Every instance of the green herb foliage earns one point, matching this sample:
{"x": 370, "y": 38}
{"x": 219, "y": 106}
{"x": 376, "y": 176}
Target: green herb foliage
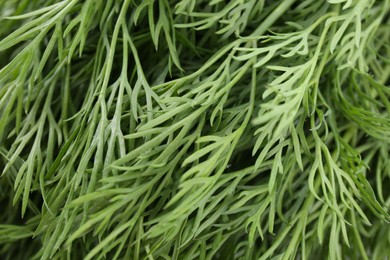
{"x": 194, "y": 129}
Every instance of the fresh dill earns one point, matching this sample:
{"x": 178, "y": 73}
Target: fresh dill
{"x": 193, "y": 129}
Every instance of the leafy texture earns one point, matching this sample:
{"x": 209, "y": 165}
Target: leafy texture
{"x": 191, "y": 129}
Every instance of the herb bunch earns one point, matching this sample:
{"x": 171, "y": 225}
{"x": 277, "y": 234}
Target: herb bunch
{"x": 191, "y": 129}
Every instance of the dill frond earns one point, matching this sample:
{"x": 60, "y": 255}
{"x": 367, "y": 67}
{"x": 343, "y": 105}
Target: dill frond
{"x": 191, "y": 129}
